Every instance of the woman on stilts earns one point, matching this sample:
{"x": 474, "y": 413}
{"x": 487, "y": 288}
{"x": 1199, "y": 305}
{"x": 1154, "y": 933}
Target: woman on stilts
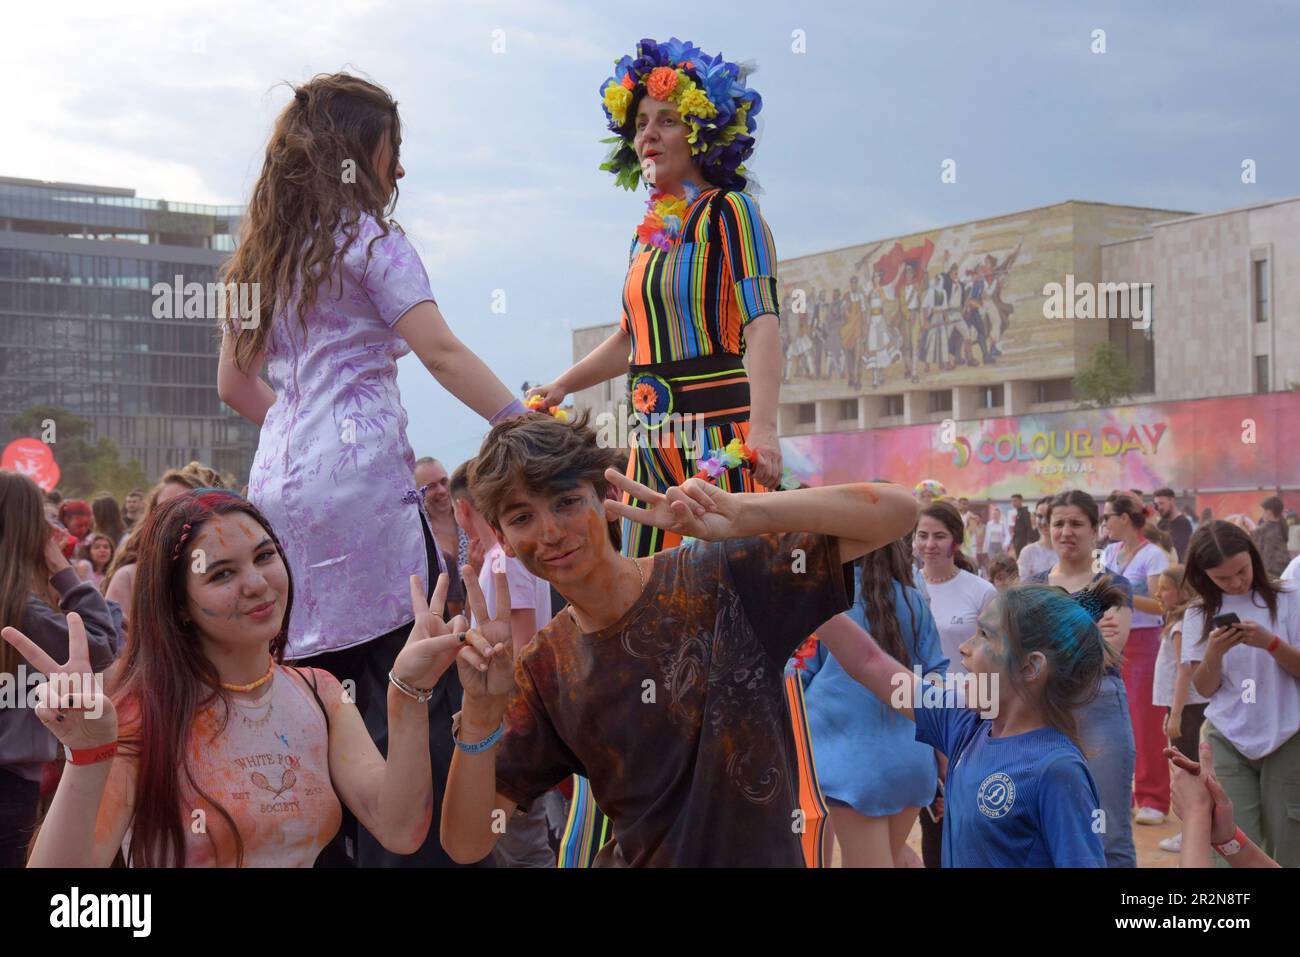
{"x": 699, "y": 338}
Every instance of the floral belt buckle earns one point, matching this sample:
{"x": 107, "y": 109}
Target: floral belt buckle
{"x": 652, "y": 400}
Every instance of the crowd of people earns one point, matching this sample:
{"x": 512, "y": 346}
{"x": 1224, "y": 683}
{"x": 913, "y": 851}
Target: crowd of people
{"x": 556, "y": 653}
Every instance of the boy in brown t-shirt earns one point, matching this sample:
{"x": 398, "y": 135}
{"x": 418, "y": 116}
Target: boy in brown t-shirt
{"x": 661, "y": 681}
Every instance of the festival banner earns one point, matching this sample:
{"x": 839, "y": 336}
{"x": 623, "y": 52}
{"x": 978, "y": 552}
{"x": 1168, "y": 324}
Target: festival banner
{"x": 1239, "y": 444}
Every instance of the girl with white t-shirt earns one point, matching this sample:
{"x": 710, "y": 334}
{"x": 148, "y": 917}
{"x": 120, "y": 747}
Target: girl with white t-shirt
{"x": 957, "y": 597}
{"x": 1133, "y": 557}
{"x": 1250, "y": 670}
{"x": 1185, "y": 709}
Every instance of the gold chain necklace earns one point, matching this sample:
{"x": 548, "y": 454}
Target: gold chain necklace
{"x": 639, "y": 574}
{"x": 258, "y": 723}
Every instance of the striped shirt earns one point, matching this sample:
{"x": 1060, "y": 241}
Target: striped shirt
{"x": 672, "y": 305}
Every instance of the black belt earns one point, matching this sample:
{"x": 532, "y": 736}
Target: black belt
{"x": 716, "y": 387}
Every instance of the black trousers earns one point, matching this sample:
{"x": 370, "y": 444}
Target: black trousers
{"x": 368, "y": 666}
{"x": 18, "y": 802}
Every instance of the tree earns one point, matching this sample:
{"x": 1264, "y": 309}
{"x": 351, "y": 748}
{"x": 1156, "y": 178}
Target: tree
{"x": 1106, "y": 378}
{"x": 85, "y": 466}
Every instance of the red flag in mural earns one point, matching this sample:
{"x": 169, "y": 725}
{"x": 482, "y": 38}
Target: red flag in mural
{"x": 891, "y": 264}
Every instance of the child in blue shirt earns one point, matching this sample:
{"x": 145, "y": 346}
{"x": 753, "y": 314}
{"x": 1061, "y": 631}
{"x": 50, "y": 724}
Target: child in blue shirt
{"x": 1019, "y": 793}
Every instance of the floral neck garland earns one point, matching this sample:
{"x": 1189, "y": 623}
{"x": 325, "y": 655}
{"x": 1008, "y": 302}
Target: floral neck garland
{"x": 665, "y": 215}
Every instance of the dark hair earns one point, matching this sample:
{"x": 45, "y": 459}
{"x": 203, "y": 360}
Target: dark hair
{"x": 543, "y": 454}
{"x": 108, "y": 518}
{"x": 1080, "y": 500}
{"x": 1045, "y": 500}
{"x": 880, "y": 569}
{"x": 165, "y": 680}
{"x": 1045, "y": 619}
{"x": 1003, "y": 565}
{"x": 1273, "y": 504}
{"x": 1207, "y": 514}
{"x": 1163, "y": 493}
{"x": 1213, "y": 544}
{"x": 946, "y": 513}
{"x": 459, "y": 484}
{"x": 1124, "y": 503}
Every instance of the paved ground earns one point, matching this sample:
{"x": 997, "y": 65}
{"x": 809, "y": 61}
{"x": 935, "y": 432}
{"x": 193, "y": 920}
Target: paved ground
{"x": 1145, "y": 837}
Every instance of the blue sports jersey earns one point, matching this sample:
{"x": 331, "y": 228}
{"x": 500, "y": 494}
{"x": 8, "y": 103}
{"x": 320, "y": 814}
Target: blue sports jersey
{"x": 1027, "y": 800}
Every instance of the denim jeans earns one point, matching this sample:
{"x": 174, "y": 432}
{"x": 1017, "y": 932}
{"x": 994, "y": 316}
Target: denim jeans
{"x": 1107, "y": 735}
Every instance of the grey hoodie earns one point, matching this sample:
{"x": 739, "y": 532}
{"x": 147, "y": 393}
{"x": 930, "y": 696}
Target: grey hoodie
{"x": 25, "y": 744}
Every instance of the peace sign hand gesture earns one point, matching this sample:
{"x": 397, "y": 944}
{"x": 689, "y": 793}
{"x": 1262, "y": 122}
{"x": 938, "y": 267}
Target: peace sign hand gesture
{"x": 72, "y": 703}
{"x": 432, "y": 644}
{"x": 486, "y": 663}
{"x": 696, "y": 508}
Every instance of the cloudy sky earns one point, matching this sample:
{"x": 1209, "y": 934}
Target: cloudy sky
{"x": 501, "y": 147}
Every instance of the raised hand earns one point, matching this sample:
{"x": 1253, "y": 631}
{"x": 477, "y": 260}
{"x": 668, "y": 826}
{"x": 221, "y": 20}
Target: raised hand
{"x": 486, "y": 661}
{"x": 1194, "y": 786}
{"x": 432, "y": 644}
{"x": 55, "y": 560}
{"x": 695, "y": 508}
{"x": 552, "y": 392}
{"x": 73, "y": 706}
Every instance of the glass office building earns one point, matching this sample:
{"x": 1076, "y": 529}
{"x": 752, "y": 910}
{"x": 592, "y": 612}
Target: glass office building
{"x": 77, "y": 327}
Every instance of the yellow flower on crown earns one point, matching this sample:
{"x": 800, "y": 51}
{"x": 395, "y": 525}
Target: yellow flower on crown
{"x": 617, "y": 99}
{"x": 693, "y": 101}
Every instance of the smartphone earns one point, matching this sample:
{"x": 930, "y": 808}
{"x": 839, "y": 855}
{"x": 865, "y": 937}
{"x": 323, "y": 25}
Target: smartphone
{"x": 1226, "y": 621}
{"x": 930, "y": 810}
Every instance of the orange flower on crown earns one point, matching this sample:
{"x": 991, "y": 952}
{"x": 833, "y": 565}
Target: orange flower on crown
{"x": 644, "y": 398}
{"x": 661, "y": 83}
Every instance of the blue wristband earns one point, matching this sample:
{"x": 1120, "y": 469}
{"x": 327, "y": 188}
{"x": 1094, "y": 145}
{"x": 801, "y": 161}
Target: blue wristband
{"x": 483, "y": 745}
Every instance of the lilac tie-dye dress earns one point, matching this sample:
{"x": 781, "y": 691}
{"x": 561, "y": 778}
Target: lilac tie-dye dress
{"x": 334, "y": 472}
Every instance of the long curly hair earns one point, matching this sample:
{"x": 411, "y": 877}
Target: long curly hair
{"x": 305, "y": 198}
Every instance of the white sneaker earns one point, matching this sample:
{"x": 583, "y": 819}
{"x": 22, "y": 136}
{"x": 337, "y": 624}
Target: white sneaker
{"x": 1149, "y": 815}
{"x": 1172, "y": 844}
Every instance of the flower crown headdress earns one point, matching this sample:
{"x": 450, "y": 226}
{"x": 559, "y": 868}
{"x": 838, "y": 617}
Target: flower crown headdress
{"x": 711, "y": 96}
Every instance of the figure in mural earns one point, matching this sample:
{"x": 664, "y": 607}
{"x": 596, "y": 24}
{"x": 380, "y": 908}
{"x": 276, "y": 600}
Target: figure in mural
{"x": 956, "y": 329}
{"x": 973, "y": 313}
{"x": 934, "y": 310}
{"x": 881, "y": 351}
{"x": 820, "y": 316}
{"x": 997, "y": 312}
{"x": 855, "y": 313}
{"x": 835, "y": 336}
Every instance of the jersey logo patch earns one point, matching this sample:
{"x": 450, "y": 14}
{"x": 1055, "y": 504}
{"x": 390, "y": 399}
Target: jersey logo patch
{"x": 997, "y": 795}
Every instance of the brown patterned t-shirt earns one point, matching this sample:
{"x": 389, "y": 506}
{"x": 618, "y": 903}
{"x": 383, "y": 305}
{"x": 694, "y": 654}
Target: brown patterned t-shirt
{"x": 676, "y": 712}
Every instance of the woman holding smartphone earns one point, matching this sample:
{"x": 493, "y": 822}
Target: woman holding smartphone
{"x": 1243, "y": 638}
